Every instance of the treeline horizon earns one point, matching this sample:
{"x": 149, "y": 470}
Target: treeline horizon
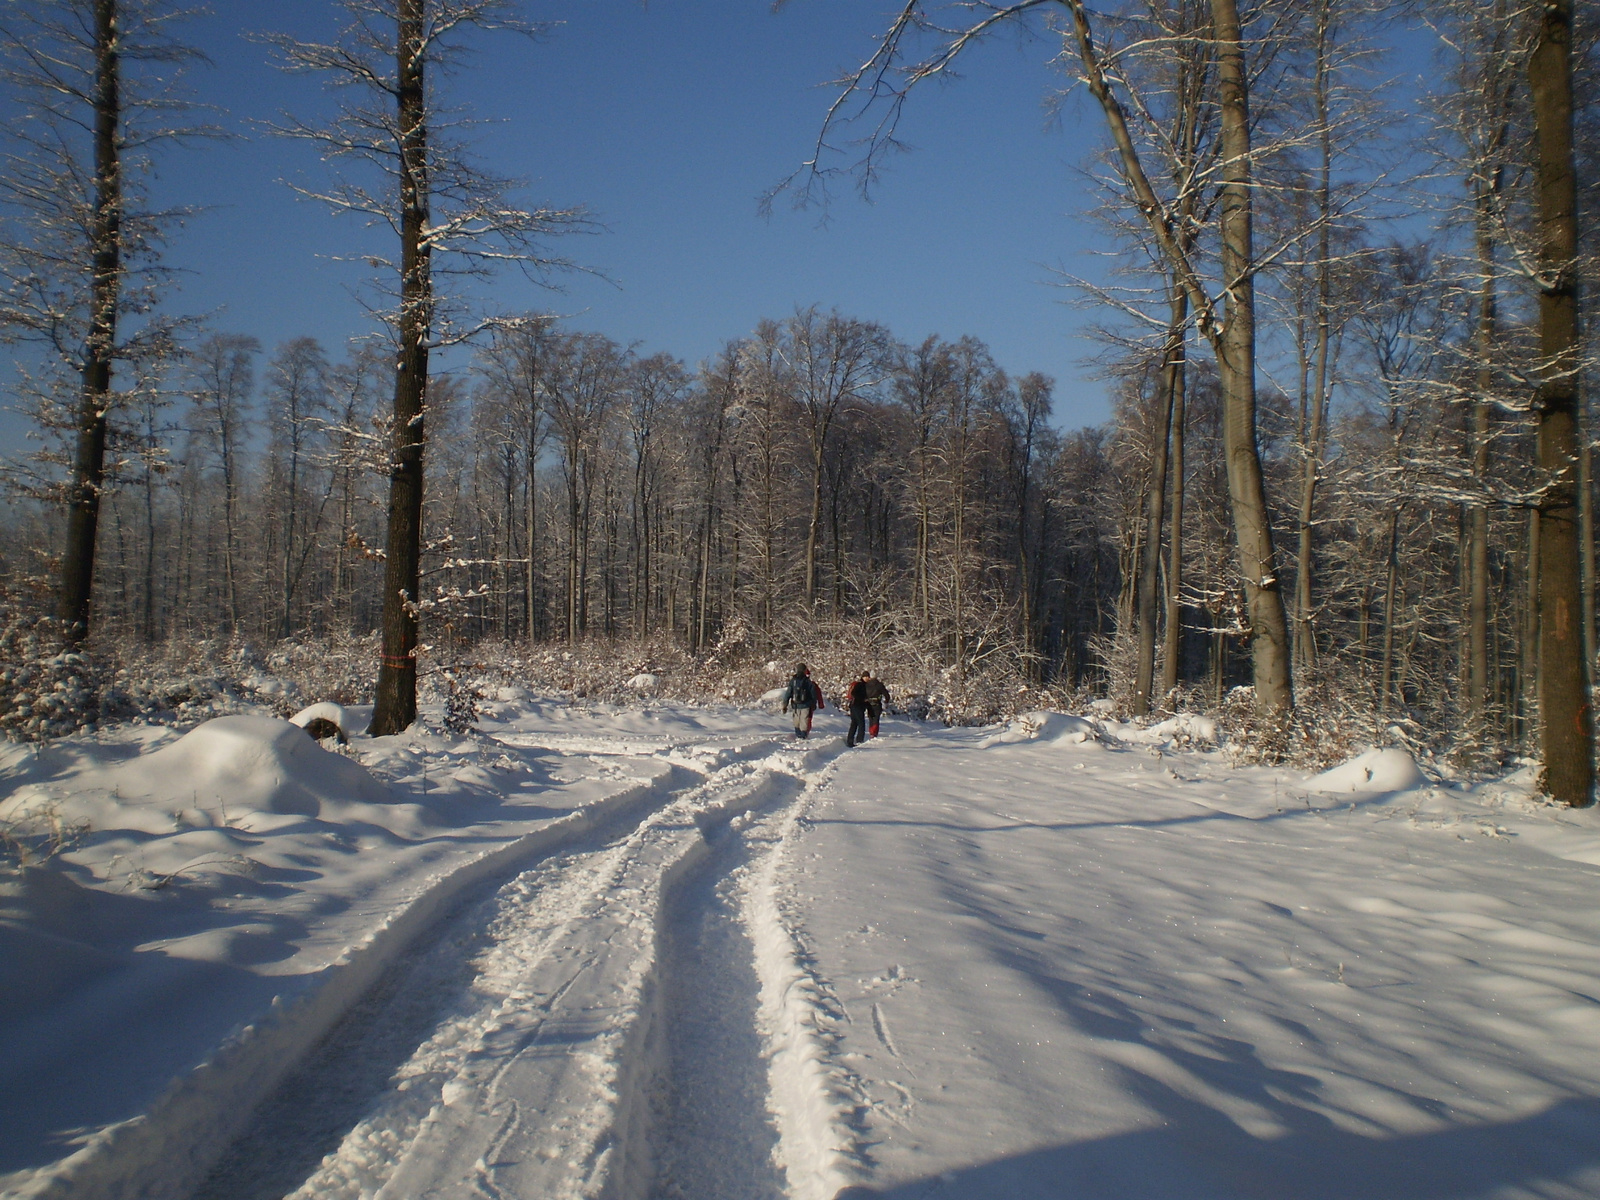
{"x": 1349, "y": 461}
{"x": 247, "y": 503}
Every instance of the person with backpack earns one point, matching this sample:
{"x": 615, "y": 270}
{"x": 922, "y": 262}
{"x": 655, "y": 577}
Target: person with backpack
{"x": 802, "y": 698}
{"x": 876, "y": 696}
{"x": 855, "y": 702}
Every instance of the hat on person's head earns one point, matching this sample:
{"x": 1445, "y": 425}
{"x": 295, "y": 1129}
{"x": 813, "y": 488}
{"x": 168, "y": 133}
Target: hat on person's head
{"x": 801, "y": 669}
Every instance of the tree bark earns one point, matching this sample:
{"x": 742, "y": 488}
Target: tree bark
{"x": 1155, "y": 505}
{"x": 1305, "y": 630}
{"x": 1172, "y": 651}
{"x": 1477, "y": 673}
{"x": 1233, "y": 338}
{"x": 1236, "y": 347}
{"x": 73, "y": 601}
{"x": 1528, "y": 668}
{"x": 1567, "y": 722}
{"x": 396, "y": 701}
{"x": 1391, "y": 599}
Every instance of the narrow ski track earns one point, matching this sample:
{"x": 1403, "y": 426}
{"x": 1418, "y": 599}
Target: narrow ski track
{"x": 543, "y": 1038}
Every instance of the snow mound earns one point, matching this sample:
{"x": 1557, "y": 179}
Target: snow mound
{"x": 1044, "y": 726}
{"x": 1389, "y": 770}
{"x": 1186, "y": 727}
{"x": 773, "y": 697}
{"x": 249, "y": 763}
{"x": 334, "y": 714}
{"x": 644, "y": 682}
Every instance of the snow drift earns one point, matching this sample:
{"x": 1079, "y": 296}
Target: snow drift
{"x": 1387, "y": 770}
{"x": 1045, "y": 726}
{"x": 255, "y": 764}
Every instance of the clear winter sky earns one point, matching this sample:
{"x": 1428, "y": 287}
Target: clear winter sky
{"x": 667, "y": 121}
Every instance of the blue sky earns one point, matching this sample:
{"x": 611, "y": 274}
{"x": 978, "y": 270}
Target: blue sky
{"x": 667, "y": 121}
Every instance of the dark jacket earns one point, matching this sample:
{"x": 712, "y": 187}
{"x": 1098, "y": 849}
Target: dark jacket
{"x": 872, "y": 693}
{"x": 802, "y": 693}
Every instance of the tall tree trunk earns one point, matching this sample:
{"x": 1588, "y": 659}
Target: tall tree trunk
{"x": 531, "y": 515}
{"x": 1177, "y": 382}
{"x": 1391, "y": 596}
{"x": 1233, "y": 338}
{"x": 1477, "y": 673}
{"x": 149, "y": 627}
{"x": 1155, "y": 505}
{"x": 924, "y": 534}
{"x": 94, "y": 396}
{"x": 290, "y": 519}
{"x": 1529, "y": 668}
{"x": 1236, "y": 349}
{"x": 1567, "y": 722}
{"x": 813, "y": 529}
{"x": 1305, "y": 630}
{"x": 396, "y": 701}
{"x": 1586, "y": 540}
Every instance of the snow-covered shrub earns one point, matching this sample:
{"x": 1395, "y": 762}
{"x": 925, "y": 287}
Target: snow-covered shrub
{"x": 460, "y": 704}
{"x": 45, "y": 691}
{"x": 1334, "y": 719}
{"x": 186, "y": 680}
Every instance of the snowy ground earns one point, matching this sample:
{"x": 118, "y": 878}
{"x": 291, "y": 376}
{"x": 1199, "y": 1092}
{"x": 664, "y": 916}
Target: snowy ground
{"x": 668, "y": 953}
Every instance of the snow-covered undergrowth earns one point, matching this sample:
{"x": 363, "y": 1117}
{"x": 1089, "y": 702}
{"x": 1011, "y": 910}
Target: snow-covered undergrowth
{"x": 592, "y": 950}
{"x": 45, "y": 694}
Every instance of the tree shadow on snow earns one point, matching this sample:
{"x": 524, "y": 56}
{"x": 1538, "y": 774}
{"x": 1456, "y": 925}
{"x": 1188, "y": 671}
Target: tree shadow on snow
{"x": 1200, "y": 1155}
{"x": 1200, "y": 818}
{"x": 1197, "y": 1152}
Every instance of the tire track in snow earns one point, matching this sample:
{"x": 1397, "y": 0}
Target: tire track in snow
{"x": 712, "y": 1136}
{"x": 813, "y": 1098}
{"x": 367, "y": 1080}
{"x": 523, "y": 1030}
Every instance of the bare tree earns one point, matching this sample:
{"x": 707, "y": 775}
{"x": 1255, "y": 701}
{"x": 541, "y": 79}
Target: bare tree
{"x": 296, "y": 418}
{"x": 832, "y": 359}
{"x": 399, "y": 166}
{"x": 585, "y": 378}
{"x": 884, "y": 82}
{"x": 921, "y": 378}
{"x": 222, "y": 379}
{"x": 95, "y": 84}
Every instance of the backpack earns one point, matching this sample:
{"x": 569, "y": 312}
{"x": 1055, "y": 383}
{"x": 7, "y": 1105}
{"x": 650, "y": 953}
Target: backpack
{"x": 803, "y": 693}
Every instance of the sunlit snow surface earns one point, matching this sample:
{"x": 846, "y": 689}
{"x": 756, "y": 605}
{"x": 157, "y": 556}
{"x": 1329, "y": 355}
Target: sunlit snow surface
{"x": 1057, "y": 958}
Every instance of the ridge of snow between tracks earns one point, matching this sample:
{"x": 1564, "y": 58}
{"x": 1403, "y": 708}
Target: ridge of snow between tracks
{"x": 595, "y": 1146}
{"x": 814, "y": 1134}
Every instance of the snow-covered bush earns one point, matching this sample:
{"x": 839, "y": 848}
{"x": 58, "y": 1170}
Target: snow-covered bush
{"x": 460, "y": 704}
{"x": 1334, "y": 720}
{"x": 45, "y": 691}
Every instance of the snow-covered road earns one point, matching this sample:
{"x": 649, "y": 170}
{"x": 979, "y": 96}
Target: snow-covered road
{"x": 1056, "y": 960}
{"x": 523, "y": 1047}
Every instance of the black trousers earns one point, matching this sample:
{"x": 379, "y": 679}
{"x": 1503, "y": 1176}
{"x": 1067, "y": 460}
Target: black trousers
{"x": 858, "y": 725}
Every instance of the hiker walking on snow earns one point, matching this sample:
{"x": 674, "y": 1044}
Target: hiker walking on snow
{"x": 802, "y": 699}
{"x": 855, "y": 700}
{"x": 876, "y": 696}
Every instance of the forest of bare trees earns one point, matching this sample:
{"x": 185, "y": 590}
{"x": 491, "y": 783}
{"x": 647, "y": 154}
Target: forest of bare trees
{"x": 1348, "y": 466}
